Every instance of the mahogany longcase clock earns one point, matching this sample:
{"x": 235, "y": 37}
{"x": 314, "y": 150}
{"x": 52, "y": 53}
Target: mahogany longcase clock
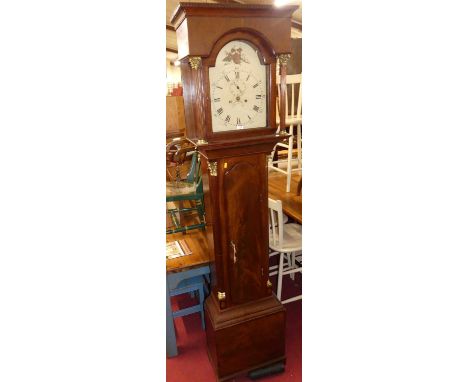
{"x": 228, "y": 55}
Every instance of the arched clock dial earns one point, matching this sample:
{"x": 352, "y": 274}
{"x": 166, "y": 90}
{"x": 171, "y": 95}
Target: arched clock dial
{"x": 238, "y": 88}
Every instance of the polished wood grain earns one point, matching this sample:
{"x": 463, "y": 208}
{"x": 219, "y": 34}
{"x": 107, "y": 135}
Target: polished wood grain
{"x": 202, "y": 30}
{"x": 244, "y": 337}
{"x": 244, "y": 200}
{"x": 199, "y": 243}
{"x": 292, "y": 203}
{"x": 199, "y": 26}
{"x": 244, "y": 320}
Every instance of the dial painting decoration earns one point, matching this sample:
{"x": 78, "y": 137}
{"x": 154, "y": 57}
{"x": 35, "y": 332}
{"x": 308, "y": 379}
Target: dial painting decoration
{"x": 238, "y": 88}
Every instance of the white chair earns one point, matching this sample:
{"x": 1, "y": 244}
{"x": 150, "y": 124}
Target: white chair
{"x": 285, "y": 241}
{"x": 293, "y": 118}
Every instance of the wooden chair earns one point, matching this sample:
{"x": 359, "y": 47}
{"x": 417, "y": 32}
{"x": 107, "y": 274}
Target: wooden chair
{"x": 285, "y": 241}
{"x": 180, "y": 190}
{"x": 293, "y": 119}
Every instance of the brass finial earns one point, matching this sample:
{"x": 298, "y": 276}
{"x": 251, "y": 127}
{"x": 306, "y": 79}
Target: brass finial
{"x": 195, "y": 62}
{"x": 213, "y": 167}
{"x": 284, "y": 58}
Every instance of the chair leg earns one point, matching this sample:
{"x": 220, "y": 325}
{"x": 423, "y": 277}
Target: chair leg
{"x": 299, "y": 146}
{"x": 171, "y": 342}
{"x": 272, "y": 156}
{"x": 206, "y": 284}
{"x": 274, "y": 152}
{"x": 289, "y": 167}
{"x": 201, "y": 297}
{"x": 200, "y": 210}
{"x": 293, "y": 264}
{"x": 280, "y": 276}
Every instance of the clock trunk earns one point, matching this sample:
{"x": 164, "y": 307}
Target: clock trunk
{"x": 245, "y": 322}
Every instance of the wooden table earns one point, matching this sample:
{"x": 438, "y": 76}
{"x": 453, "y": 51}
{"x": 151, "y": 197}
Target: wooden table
{"x": 292, "y": 203}
{"x": 182, "y": 268}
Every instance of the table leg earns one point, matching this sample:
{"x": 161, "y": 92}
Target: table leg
{"x": 171, "y": 342}
{"x": 299, "y": 187}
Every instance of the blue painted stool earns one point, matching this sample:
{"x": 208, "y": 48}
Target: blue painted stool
{"x": 174, "y": 281}
{"x": 194, "y": 284}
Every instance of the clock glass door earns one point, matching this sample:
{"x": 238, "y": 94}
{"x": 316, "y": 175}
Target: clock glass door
{"x": 238, "y": 84}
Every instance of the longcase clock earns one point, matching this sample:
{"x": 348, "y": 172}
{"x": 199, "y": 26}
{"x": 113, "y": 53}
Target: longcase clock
{"x": 228, "y": 55}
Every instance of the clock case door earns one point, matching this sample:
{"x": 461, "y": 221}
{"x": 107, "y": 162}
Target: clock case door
{"x": 243, "y": 269}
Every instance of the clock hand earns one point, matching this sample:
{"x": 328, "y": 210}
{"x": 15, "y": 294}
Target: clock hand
{"x": 237, "y": 88}
{"x": 244, "y": 88}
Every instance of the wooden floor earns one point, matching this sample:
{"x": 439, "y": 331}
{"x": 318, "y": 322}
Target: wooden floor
{"x": 292, "y": 203}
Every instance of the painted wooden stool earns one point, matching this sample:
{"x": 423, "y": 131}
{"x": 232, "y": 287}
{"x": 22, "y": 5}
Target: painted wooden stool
{"x": 178, "y": 283}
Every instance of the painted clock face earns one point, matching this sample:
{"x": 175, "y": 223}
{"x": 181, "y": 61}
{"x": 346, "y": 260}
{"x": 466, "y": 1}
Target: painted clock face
{"x": 238, "y": 88}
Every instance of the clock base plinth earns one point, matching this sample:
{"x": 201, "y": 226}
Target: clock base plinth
{"x": 244, "y": 337}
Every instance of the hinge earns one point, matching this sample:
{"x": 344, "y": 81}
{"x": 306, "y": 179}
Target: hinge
{"x": 221, "y": 296}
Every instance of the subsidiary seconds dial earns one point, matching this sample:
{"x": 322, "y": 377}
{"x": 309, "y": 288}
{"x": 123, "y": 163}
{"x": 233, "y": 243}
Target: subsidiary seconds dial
{"x": 238, "y": 98}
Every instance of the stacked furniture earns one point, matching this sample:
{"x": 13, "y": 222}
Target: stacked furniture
{"x": 293, "y": 121}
